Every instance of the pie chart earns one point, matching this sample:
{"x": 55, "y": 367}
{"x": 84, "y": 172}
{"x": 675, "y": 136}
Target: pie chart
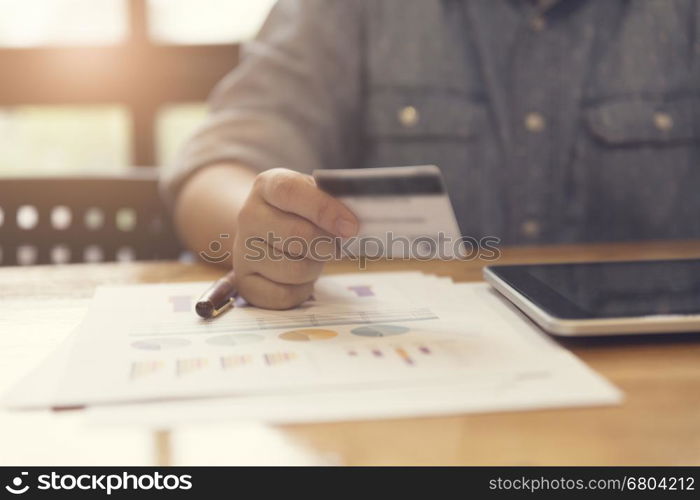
{"x": 308, "y": 334}
{"x": 224, "y": 340}
{"x": 379, "y": 330}
{"x": 160, "y": 344}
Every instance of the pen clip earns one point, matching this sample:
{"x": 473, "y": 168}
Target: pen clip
{"x": 225, "y": 306}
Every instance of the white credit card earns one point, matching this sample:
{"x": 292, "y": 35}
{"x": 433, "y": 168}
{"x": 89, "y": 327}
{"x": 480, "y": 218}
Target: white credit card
{"x": 404, "y": 212}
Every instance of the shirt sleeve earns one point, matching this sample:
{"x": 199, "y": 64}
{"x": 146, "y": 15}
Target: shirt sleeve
{"x": 293, "y": 100}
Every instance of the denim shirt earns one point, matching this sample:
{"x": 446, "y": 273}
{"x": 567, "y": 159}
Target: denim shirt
{"x": 579, "y": 122}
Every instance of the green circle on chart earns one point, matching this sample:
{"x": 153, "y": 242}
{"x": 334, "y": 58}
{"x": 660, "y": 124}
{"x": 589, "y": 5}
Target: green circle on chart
{"x": 160, "y": 344}
{"x": 235, "y": 339}
{"x": 379, "y": 330}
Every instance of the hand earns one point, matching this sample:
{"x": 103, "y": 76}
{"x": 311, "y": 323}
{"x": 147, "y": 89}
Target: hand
{"x": 283, "y": 216}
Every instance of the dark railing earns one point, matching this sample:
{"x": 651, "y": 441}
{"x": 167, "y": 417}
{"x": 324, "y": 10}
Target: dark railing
{"x": 84, "y": 219}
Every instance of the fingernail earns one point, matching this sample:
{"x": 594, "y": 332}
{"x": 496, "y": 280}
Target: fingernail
{"x": 346, "y": 228}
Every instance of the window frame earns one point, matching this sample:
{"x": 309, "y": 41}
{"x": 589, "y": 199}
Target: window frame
{"x": 115, "y": 75}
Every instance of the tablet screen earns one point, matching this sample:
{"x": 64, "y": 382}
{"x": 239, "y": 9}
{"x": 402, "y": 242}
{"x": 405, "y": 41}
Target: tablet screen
{"x": 609, "y": 290}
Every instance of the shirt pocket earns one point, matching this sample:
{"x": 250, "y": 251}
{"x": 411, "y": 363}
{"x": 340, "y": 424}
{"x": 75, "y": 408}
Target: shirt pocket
{"x": 644, "y": 122}
{"x": 424, "y": 114}
{"x": 637, "y": 168}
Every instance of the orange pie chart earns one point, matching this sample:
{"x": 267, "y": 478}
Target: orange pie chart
{"x": 308, "y": 334}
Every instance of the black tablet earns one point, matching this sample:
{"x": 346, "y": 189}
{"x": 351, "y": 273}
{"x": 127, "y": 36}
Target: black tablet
{"x": 600, "y": 298}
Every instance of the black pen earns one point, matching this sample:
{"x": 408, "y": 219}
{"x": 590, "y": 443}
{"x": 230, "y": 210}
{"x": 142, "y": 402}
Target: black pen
{"x": 219, "y": 296}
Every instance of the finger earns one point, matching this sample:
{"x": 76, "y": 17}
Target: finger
{"x": 293, "y": 192}
{"x": 286, "y": 232}
{"x": 280, "y": 268}
{"x": 261, "y": 258}
{"x": 261, "y": 292}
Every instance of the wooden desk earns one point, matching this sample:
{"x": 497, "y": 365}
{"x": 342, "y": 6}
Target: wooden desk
{"x": 658, "y": 424}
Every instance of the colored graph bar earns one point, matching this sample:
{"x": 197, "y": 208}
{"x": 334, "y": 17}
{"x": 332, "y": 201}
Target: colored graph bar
{"x": 404, "y": 355}
{"x": 140, "y": 369}
{"x": 276, "y": 358}
{"x": 234, "y": 361}
{"x": 186, "y": 366}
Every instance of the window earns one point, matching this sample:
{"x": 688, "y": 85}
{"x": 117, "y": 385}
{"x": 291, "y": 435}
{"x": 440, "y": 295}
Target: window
{"x": 51, "y": 140}
{"x": 99, "y": 85}
{"x": 34, "y": 23}
{"x": 205, "y": 21}
{"x": 174, "y": 124}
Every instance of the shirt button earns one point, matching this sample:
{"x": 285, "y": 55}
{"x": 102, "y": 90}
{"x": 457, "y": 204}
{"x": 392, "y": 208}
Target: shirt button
{"x": 534, "y": 122}
{"x": 408, "y": 116}
{"x": 530, "y": 228}
{"x": 663, "y": 121}
{"x": 538, "y": 23}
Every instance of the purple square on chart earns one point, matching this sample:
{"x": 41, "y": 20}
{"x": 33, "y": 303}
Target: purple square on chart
{"x": 362, "y": 290}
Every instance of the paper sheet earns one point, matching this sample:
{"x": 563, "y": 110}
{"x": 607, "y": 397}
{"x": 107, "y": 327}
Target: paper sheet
{"x": 250, "y": 443}
{"x": 29, "y": 331}
{"x": 438, "y": 348}
{"x": 45, "y": 438}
